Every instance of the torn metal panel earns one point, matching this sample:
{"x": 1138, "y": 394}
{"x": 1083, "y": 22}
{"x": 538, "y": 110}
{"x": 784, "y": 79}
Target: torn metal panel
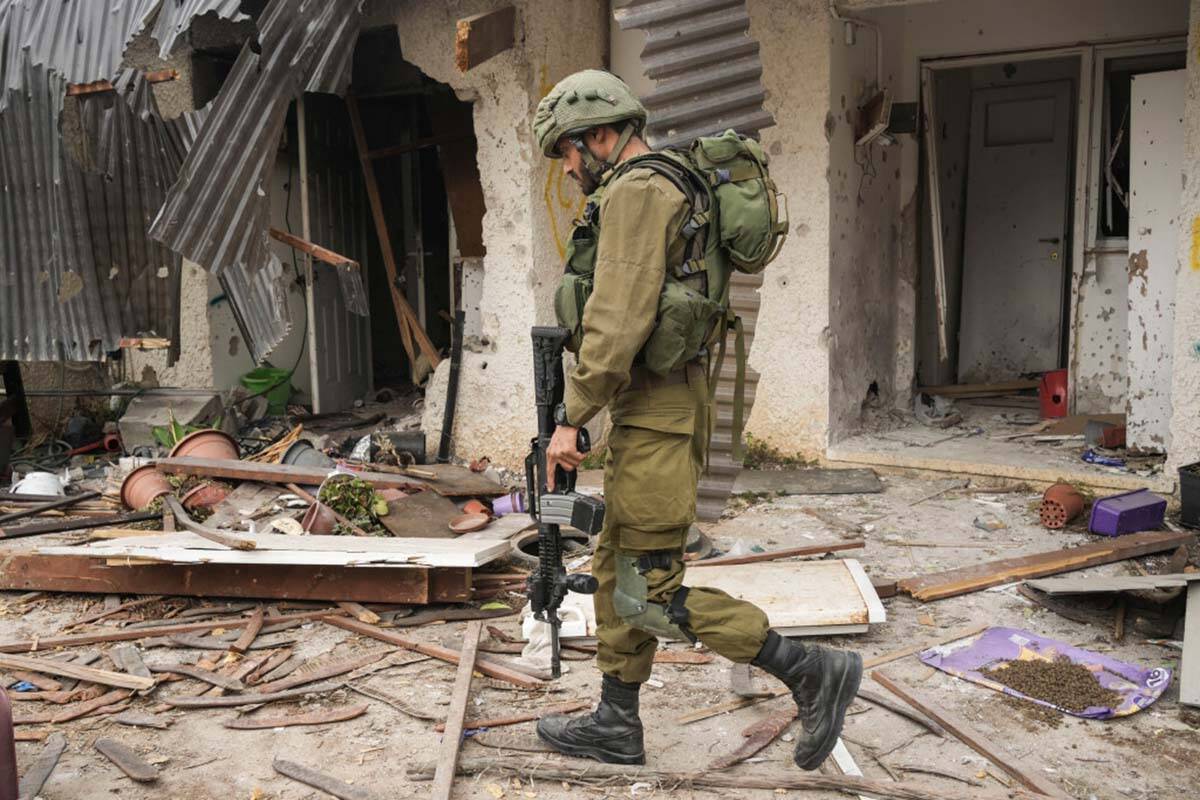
{"x": 708, "y": 74}
{"x": 258, "y": 300}
{"x": 220, "y": 224}
{"x": 175, "y": 17}
{"x": 706, "y": 65}
{"x": 79, "y": 40}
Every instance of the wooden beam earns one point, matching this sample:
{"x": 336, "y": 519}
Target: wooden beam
{"x": 773, "y": 555}
{"x": 184, "y": 519}
{"x": 105, "y": 521}
{"x": 23, "y": 571}
{"x": 406, "y": 317}
{"x": 319, "y": 780}
{"x": 436, "y": 651}
{"x": 253, "y": 626}
{"x": 482, "y": 36}
{"x": 66, "y": 670}
{"x": 315, "y": 250}
{"x": 235, "y": 469}
{"x": 965, "y": 580}
{"x": 443, "y": 779}
{"x": 962, "y": 730}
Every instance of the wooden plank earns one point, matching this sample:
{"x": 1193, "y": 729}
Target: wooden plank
{"x": 315, "y": 250}
{"x": 249, "y": 699}
{"x": 1189, "y": 665}
{"x": 772, "y": 555}
{"x": 106, "y": 612}
{"x": 757, "y": 736}
{"x": 24, "y": 571}
{"x": 360, "y": 612}
{"x": 443, "y": 779}
{"x": 962, "y": 730}
{"x": 253, "y": 627}
{"x": 195, "y": 528}
{"x": 972, "y": 578}
{"x": 102, "y": 676}
{"x": 482, "y": 36}
{"x": 233, "y": 469}
{"x": 96, "y": 704}
{"x": 980, "y": 389}
{"x": 212, "y": 678}
{"x": 319, "y": 780}
{"x": 290, "y": 720}
{"x": 75, "y": 640}
{"x": 436, "y": 651}
{"x": 37, "y": 775}
{"x": 63, "y": 502}
{"x": 320, "y": 672}
{"x": 406, "y": 317}
{"x": 76, "y": 524}
{"x": 1108, "y": 584}
{"x": 909, "y": 714}
{"x": 275, "y": 549}
{"x": 127, "y": 760}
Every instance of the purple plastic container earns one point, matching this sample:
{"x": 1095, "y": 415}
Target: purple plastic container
{"x": 1129, "y": 512}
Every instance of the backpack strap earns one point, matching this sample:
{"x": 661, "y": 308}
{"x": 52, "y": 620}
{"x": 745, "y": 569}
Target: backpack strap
{"x": 732, "y": 322}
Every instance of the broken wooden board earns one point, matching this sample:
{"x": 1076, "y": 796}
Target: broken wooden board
{"x": 319, "y": 780}
{"x": 102, "y": 676}
{"x": 26, "y": 571}
{"x": 1105, "y": 584}
{"x": 482, "y": 36}
{"x": 964, "y": 732}
{"x": 127, "y": 760}
{"x": 443, "y": 779}
{"x": 964, "y": 580}
{"x": 421, "y": 515}
{"x": 37, "y": 775}
{"x": 451, "y": 479}
{"x": 807, "y": 481}
{"x": 253, "y": 723}
{"x": 184, "y": 547}
{"x": 1189, "y": 665}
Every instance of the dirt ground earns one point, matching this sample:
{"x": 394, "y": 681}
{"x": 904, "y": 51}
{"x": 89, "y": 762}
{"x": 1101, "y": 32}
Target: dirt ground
{"x": 1153, "y": 754}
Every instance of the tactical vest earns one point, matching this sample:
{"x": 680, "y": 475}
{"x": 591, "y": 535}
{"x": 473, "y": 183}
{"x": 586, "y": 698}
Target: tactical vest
{"x": 734, "y": 222}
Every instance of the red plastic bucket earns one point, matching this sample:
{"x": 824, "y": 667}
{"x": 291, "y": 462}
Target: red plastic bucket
{"x": 1052, "y": 394}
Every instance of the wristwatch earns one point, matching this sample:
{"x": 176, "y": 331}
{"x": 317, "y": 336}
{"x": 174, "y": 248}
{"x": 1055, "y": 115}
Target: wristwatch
{"x": 560, "y": 414}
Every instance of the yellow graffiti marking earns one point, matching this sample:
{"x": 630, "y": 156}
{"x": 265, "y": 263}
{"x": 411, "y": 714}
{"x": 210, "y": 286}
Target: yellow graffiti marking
{"x": 563, "y": 201}
{"x": 1196, "y": 244}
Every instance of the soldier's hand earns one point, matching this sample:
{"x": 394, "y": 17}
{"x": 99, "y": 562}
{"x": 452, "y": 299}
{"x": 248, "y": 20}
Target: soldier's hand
{"x": 562, "y": 453}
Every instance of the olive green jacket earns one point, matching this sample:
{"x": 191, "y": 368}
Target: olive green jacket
{"x": 641, "y": 218}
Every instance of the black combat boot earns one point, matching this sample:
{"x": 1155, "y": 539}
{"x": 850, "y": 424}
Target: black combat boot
{"x": 612, "y": 733}
{"x": 823, "y": 682}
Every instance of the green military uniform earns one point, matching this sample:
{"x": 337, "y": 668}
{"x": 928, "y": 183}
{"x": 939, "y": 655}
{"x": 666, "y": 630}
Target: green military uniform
{"x": 656, "y": 449}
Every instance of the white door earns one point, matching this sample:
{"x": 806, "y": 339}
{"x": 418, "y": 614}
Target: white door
{"x": 1156, "y": 147}
{"x": 1015, "y": 243}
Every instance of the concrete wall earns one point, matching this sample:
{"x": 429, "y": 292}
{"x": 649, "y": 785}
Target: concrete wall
{"x": 529, "y": 205}
{"x": 1185, "y": 390}
{"x": 792, "y": 338}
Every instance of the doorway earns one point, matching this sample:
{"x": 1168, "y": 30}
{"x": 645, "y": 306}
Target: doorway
{"x": 1005, "y": 134}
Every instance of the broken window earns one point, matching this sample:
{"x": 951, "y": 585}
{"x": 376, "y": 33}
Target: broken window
{"x": 1114, "y": 142}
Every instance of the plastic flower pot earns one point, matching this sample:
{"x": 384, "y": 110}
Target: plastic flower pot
{"x": 143, "y": 486}
{"x": 303, "y": 454}
{"x": 206, "y": 495}
{"x": 275, "y": 384}
{"x": 1060, "y": 504}
{"x": 208, "y": 443}
{"x": 1189, "y": 495}
{"x": 318, "y": 519}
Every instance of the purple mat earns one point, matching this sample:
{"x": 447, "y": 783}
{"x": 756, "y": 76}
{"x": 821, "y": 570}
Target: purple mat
{"x": 968, "y": 658}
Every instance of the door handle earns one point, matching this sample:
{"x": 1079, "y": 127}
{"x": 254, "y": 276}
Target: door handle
{"x": 1054, "y": 240}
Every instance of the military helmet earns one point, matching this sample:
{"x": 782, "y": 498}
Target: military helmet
{"x": 584, "y": 100}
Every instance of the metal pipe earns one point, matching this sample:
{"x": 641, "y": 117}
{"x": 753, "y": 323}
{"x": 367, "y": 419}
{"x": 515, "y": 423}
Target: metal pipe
{"x": 456, "y": 347}
{"x": 62, "y": 502}
{"x": 833, "y": 12}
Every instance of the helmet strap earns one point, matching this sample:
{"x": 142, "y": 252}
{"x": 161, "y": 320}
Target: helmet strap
{"x": 594, "y": 167}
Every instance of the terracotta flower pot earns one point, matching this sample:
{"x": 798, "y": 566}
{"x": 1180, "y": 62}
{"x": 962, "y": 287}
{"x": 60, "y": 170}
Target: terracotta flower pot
{"x": 206, "y": 444}
{"x": 1060, "y": 504}
{"x": 475, "y": 507}
{"x": 318, "y": 519}
{"x": 206, "y": 495}
{"x": 142, "y": 486}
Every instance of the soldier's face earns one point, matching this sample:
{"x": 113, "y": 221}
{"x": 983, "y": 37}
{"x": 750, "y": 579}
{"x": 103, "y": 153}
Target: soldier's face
{"x": 572, "y": 165}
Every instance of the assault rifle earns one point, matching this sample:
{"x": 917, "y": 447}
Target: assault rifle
{"x": 549, "y": 583}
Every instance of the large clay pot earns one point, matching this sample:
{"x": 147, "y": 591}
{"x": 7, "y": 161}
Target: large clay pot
{"x": 206, "y": 444}
{"x": 142, "y": 486}
{"x": 205, "y": 495}
{"x": 1060, "y": 504}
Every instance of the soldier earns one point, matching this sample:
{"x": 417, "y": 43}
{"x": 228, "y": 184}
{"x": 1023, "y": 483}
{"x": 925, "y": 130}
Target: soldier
{"x": 656, "y": 448}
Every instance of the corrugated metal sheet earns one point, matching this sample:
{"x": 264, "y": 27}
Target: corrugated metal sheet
{"x": 77, "y": 269}
{"x": 708, "y": 72}
{"x": 706, "y": 66}
{"x": 175, "y": 16}
{"x": 80, "y": 40}
{"x": 224, "y": 223}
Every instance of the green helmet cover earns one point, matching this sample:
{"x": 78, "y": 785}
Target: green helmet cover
{"x": 584, "y": 100}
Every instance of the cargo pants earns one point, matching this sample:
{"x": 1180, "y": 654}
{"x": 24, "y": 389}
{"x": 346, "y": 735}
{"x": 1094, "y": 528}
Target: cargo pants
{"x": 656, "y": 453}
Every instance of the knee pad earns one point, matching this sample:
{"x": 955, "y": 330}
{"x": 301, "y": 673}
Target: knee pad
{"x": 632, "y": 604}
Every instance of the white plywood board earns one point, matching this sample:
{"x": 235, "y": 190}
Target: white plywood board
{"x": 187, "y": 548}
{"x": 1189, "y": 665}
{"x": 1156, "y": 142}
